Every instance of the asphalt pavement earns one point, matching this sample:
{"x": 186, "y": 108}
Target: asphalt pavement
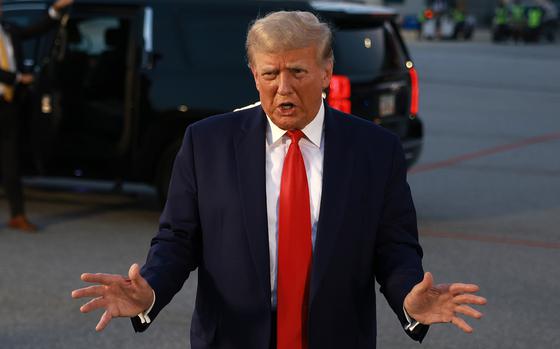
{"x": 487, "y": 192}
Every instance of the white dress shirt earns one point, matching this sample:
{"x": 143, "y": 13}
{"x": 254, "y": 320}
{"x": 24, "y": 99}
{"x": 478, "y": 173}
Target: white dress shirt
{"x": 312, "y": 149}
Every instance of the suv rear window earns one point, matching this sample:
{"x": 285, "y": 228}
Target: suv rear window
{"x": 364, "y": 54}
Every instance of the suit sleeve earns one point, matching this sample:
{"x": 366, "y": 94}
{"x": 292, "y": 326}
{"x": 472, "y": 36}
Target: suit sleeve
{"x": 176, "y": 249}
{"x": 398, "y": 255}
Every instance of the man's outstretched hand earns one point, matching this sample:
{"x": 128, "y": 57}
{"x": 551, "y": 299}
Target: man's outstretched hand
{"x": 429, "y": 304}
{"x": 120, "y": 296}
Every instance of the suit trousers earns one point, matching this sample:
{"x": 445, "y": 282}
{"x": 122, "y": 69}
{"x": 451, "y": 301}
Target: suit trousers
{"x": 9, "y": 156}
{"x": 273, "y": 323}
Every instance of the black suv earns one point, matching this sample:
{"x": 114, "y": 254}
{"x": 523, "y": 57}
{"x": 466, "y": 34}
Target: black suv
{"x": 119, "y": 81}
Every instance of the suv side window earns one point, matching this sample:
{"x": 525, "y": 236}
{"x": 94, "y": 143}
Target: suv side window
{"x": 91, "y": 73}
{"x": 222, "y": 34}
{"x": 98, "y": 46}
{"x": 91, "y": 40}
{"x": 207, "y": 48}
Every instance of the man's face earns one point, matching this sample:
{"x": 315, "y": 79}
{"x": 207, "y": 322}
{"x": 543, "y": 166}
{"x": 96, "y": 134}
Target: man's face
{"x": 290, "y": 85}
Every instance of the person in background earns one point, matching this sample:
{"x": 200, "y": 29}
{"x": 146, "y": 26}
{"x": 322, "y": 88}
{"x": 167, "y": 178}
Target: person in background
{"x": 534, "y": 24}
{"x": 549, "y": 20}
{"x": 459, "y": 17}
{"x": 11, "y": 80}
{"x": 501, "y": 23}
{"x": 421, "y": 18}
{"x": 518, "y": 20}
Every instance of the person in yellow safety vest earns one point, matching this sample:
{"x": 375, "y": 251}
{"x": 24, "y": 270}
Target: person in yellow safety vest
{"x": 518, "y": 20}
{"x": 534, "y": 20}
{"x": 534, "y": 16}
{"x": 421, "y": 19}
{"x": 459, "y": 17}
{"x": 501, "y": 23}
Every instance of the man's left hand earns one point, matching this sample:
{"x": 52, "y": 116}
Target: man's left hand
{"x": 429, "y": 304}
{"x": 61, "y": 4}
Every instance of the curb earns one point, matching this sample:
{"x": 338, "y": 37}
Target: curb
{"x": 480, "y": 35}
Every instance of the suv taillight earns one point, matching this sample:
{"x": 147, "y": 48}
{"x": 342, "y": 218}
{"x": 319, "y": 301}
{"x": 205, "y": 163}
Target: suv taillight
{"x": 339, "y": 93}
{"x": 414, "y": 89}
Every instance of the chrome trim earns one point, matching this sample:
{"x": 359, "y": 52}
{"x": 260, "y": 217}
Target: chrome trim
{"x": 148, "y": 29}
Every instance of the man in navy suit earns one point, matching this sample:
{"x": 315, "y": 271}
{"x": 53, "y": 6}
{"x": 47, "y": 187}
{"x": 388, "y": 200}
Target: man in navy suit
{"x": 241, "y": 180}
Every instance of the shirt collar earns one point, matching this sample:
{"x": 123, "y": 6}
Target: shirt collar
{"x": 313, "y": 131}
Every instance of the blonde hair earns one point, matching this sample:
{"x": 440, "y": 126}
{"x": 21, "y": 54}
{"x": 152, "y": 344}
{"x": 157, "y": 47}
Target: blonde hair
{"x": 289, "y": 30}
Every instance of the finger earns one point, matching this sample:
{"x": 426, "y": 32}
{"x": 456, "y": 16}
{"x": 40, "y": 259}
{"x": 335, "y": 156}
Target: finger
{"x": 104, "y": 321}
{"x": 457, "y": 288}
{"x": 137, "y": 278}
{"x": 457, "y": 321}
{"x": 426, "y": 283}
{"x": 99, "y": 278}
{"x": 91, "y": 291}
{"x": 134, "y": 275}
{"x": 93, "y": 304}
{"x": 469, "y": 299}
{"x": 468, "y": 311}
{"x": 134, "y": 271}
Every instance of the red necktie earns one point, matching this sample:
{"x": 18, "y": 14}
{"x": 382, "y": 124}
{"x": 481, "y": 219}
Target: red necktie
{"x": 294, "y": 249}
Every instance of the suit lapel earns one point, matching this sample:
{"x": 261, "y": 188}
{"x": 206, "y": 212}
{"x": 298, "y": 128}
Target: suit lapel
{"x": 251, "y": 175}
{"x": 337, "y": 168}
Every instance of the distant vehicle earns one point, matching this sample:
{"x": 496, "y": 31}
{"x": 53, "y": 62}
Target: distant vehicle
{"x": 451, "y": 24}
{"x": 119, "y": 81}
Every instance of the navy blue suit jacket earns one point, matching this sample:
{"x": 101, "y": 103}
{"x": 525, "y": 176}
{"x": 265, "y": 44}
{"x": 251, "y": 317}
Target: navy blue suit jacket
{"x": 215, "y": 220}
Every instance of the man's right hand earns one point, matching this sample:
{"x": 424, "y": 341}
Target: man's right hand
{"x": 118, "y": 295}
{"x": 25, "y": 79}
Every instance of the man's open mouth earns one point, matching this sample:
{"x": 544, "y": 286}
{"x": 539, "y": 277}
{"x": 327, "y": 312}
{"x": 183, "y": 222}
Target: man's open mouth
{"x": 286, "y": 106}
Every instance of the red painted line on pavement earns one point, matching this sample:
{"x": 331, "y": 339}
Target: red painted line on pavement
{"x": 484, "y": 152}
{"x": 491, "y": 239}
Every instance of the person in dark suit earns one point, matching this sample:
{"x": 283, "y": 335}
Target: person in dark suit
{"x": 11, "y": 79}
{"x": 290, "y": 210}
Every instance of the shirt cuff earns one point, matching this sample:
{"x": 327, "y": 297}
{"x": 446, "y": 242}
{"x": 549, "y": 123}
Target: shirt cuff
{"x": 54, "y": 14}
{"x": 411, "y": 322}
{"x": 144, "y": 318}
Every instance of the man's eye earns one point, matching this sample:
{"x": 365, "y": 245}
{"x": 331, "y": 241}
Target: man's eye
{"x": 269, "y": 75}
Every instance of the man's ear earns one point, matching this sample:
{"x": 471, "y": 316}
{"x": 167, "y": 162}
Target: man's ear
{"x": 327, "y": 73}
